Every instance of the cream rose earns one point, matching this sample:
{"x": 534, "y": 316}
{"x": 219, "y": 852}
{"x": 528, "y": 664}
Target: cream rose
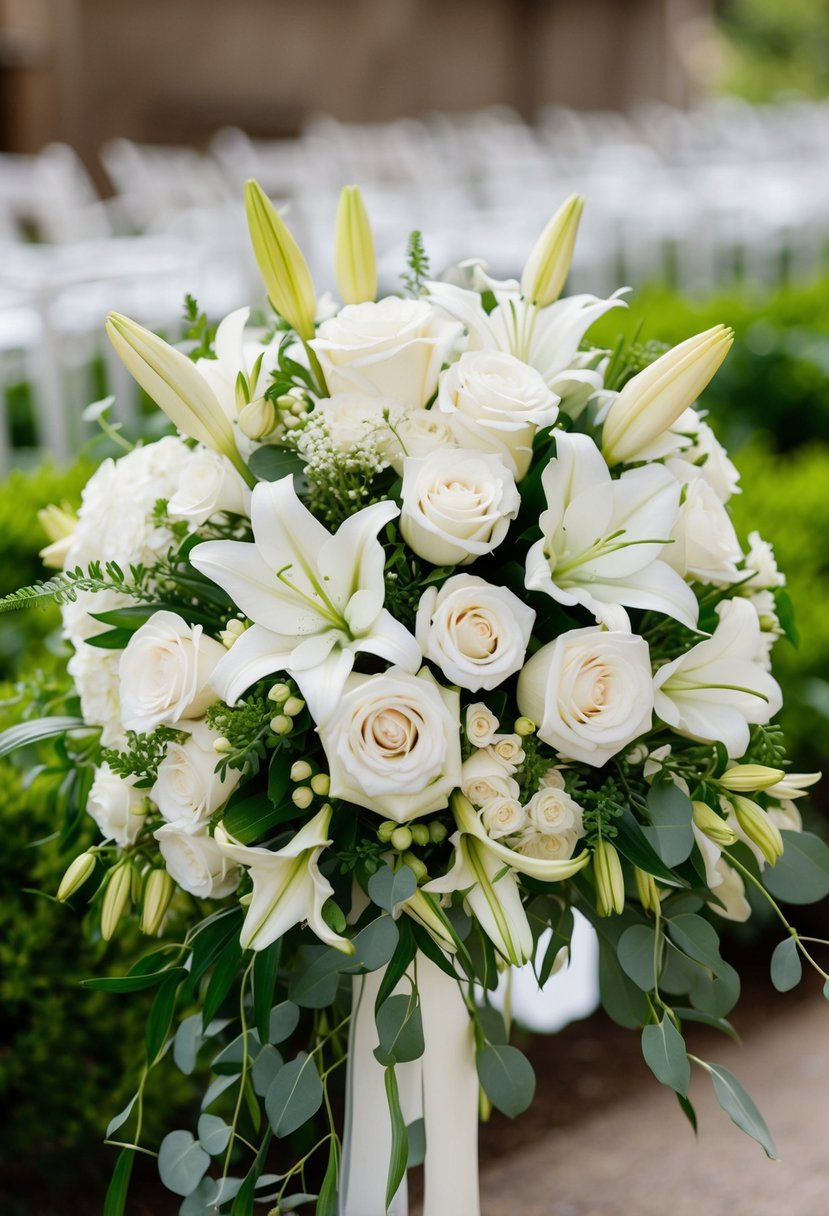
{"x": 508, "y": 750}
{"x": 417, "y": 433}
{"x": 392, "y": 349}
{"x": 118, "y": 808}
{"x": 704, "y": 544}
{"x": 481, "y": 724}
{"x": 553, "y": 810}
{"x": 503, "y": 817}
{"x": 164, "y": 672}
{"x": 195, "y": 861}
{"x": 546, "y": 846}
{"x": 188, "y": 789}
{"x": 484, "y": 779}
{"x": 393, "y": 744}
{"x": 591, "y": 690}
{"x": 352, "y": 418}
{"x": 475, "y": 632}
{"x": 209, "y": 484}
{"x": 496, "y": 403}
{"x": 457, "y": 505}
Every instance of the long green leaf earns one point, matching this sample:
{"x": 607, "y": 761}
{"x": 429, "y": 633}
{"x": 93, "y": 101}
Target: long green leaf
{"x": 161, "y": 1017}
{"x": 243, "y": 1203}
{"x": 399, "y": 1138}
{"x": 132, "y": 983}
{"x": 265, "y": 968}
{"x": 327, "y": 1198}
{"x": 23, "y": 734}
{"x": 119, "y": 1184}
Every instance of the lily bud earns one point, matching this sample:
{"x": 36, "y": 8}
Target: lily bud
{"x": 158, "y": 893}
{"x": 258, "y": 419}
{"x": 354, "y": 259}
{"x": 759, "y": 828}
{"x": 646, "y": 889}
{"x": 713, "y": 825}
{"x": 76, "y": 875}
{"x": 284, "y": 270}
{"x": 610, "y": 884}
{"x": 426, "y": 910}
{"x": 116, "y": 898}
{"x": 748, "y": 778}
{"x": 651, "y": 402}
{"x": 177, "y": 387}
{"x": 549, "y": 262}
{"x": 59, "y": 524}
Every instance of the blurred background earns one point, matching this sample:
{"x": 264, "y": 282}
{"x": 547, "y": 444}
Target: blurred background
{"x": 699, "y": 132}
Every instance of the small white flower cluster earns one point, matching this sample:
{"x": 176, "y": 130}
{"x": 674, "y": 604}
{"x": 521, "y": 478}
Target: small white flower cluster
{"x": 345, "y": 443}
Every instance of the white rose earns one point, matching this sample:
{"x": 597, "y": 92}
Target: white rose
{"x": 705, "y": 545}
{"x": 591, "y": 690}
{"x": 503, "y": 817}
{"x": 195, "y": 861}
{"x": 165, "y": 670}
{"x": 496, "y": 403}
{"x": 547, "y": 846}
{"x": 417, "y": 433}
{"x": 392, "y": 349}
{"x": 553, "y": 810}
{"x": 704, "y": 457}
{"x": 352, "y": 418}
{"x": 553, "y": 779}
{"x": 483, "y": 779}
{"x": 95, "y": 675}
{"x": 188, "y": 790}
{"x": 475, "y": 632}
{"x": 457, "y": 505}
{"x": 761, "y": 561}
{"x": 117, "y": 806}
{"x": 209, "y": 484}
{"x": 481, "y": 724}
{"x": 508, "y": 750}
{"x": 393, "y": 744}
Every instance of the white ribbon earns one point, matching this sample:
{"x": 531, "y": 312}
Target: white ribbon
{"x": 442, "y": 1087}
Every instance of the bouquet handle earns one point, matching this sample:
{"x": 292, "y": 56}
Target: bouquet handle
{"x": 442, "y": 1087}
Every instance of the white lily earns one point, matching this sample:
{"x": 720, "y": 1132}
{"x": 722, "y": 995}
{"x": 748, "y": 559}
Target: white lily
{"x": 315, "y": 599}
{"x": 175, "y": 384}
{"x": 288, "y": 887}
{"x": 715, "y": 690}
{"x": 486, "y": 872}
{"x": 653, "y": 400}
{"x": 603, "y": 540}
{"x": 547, "y": 338}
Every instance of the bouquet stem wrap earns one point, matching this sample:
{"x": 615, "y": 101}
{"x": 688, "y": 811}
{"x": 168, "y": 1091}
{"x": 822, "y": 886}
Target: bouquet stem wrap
{"x": 442, "y": 1087}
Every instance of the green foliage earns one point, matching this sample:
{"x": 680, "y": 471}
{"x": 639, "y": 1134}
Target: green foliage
{"x": 773, "y": 49}
{"x": 417, "y": 261}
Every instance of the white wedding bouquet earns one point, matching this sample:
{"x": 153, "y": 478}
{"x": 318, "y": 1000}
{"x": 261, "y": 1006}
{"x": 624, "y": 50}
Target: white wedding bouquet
{"x": 425, "y": 626}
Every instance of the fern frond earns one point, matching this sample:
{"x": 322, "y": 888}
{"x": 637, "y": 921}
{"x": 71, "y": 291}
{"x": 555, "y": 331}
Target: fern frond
{"x": 63, "y": 588}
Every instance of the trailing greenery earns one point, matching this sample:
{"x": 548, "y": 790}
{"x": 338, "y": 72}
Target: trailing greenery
{"x": 772, "y": 49}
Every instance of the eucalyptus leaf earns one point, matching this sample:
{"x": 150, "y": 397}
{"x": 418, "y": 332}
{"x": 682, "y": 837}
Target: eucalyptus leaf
{"x": 786, "y": 967}
{"x": 664, "y": 1050}
{"x": 214, "y": 1134}
{"x": 294, "y": 1096}
{"x": 387, "y": 887}
{"x": 267, "y": 1065}
{"x": 633, "y": 844}
{"x": 182, "y": 1162}
{"x": 229, "y": 1060}
{"x": 716, "y": 995}
{"x": 801, "y": 875}
{"x": 316, "y": 978}
{"x": 283, "y": 1021}
{"x": 637, "y": 954}
{"x": 670, "y": 830}
{"x": 491, "y": 1022}
{"x": 400, "y": 1030}
{"x": 707, "y": 1019}
{"x": 826, "y": 990}
{"x": 374, "y": 945}
{"x": 416, "y": 1132}
{"x": 698, "y": 939}
{"x": 738, "y": 1105}
{"x": 215, "y": 1089}
{"x": 187, "y": 1042}
{"x": 621, "y": 999}
{"x": 506, "y": 1078}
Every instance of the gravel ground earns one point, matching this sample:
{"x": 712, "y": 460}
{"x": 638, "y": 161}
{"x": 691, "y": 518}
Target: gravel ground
{"x": 638, "y": 1157}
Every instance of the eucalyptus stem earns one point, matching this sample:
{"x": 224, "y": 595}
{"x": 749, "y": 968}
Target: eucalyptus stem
{"x": 790, "y": 929}
{"x": 245, "y": 1061}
